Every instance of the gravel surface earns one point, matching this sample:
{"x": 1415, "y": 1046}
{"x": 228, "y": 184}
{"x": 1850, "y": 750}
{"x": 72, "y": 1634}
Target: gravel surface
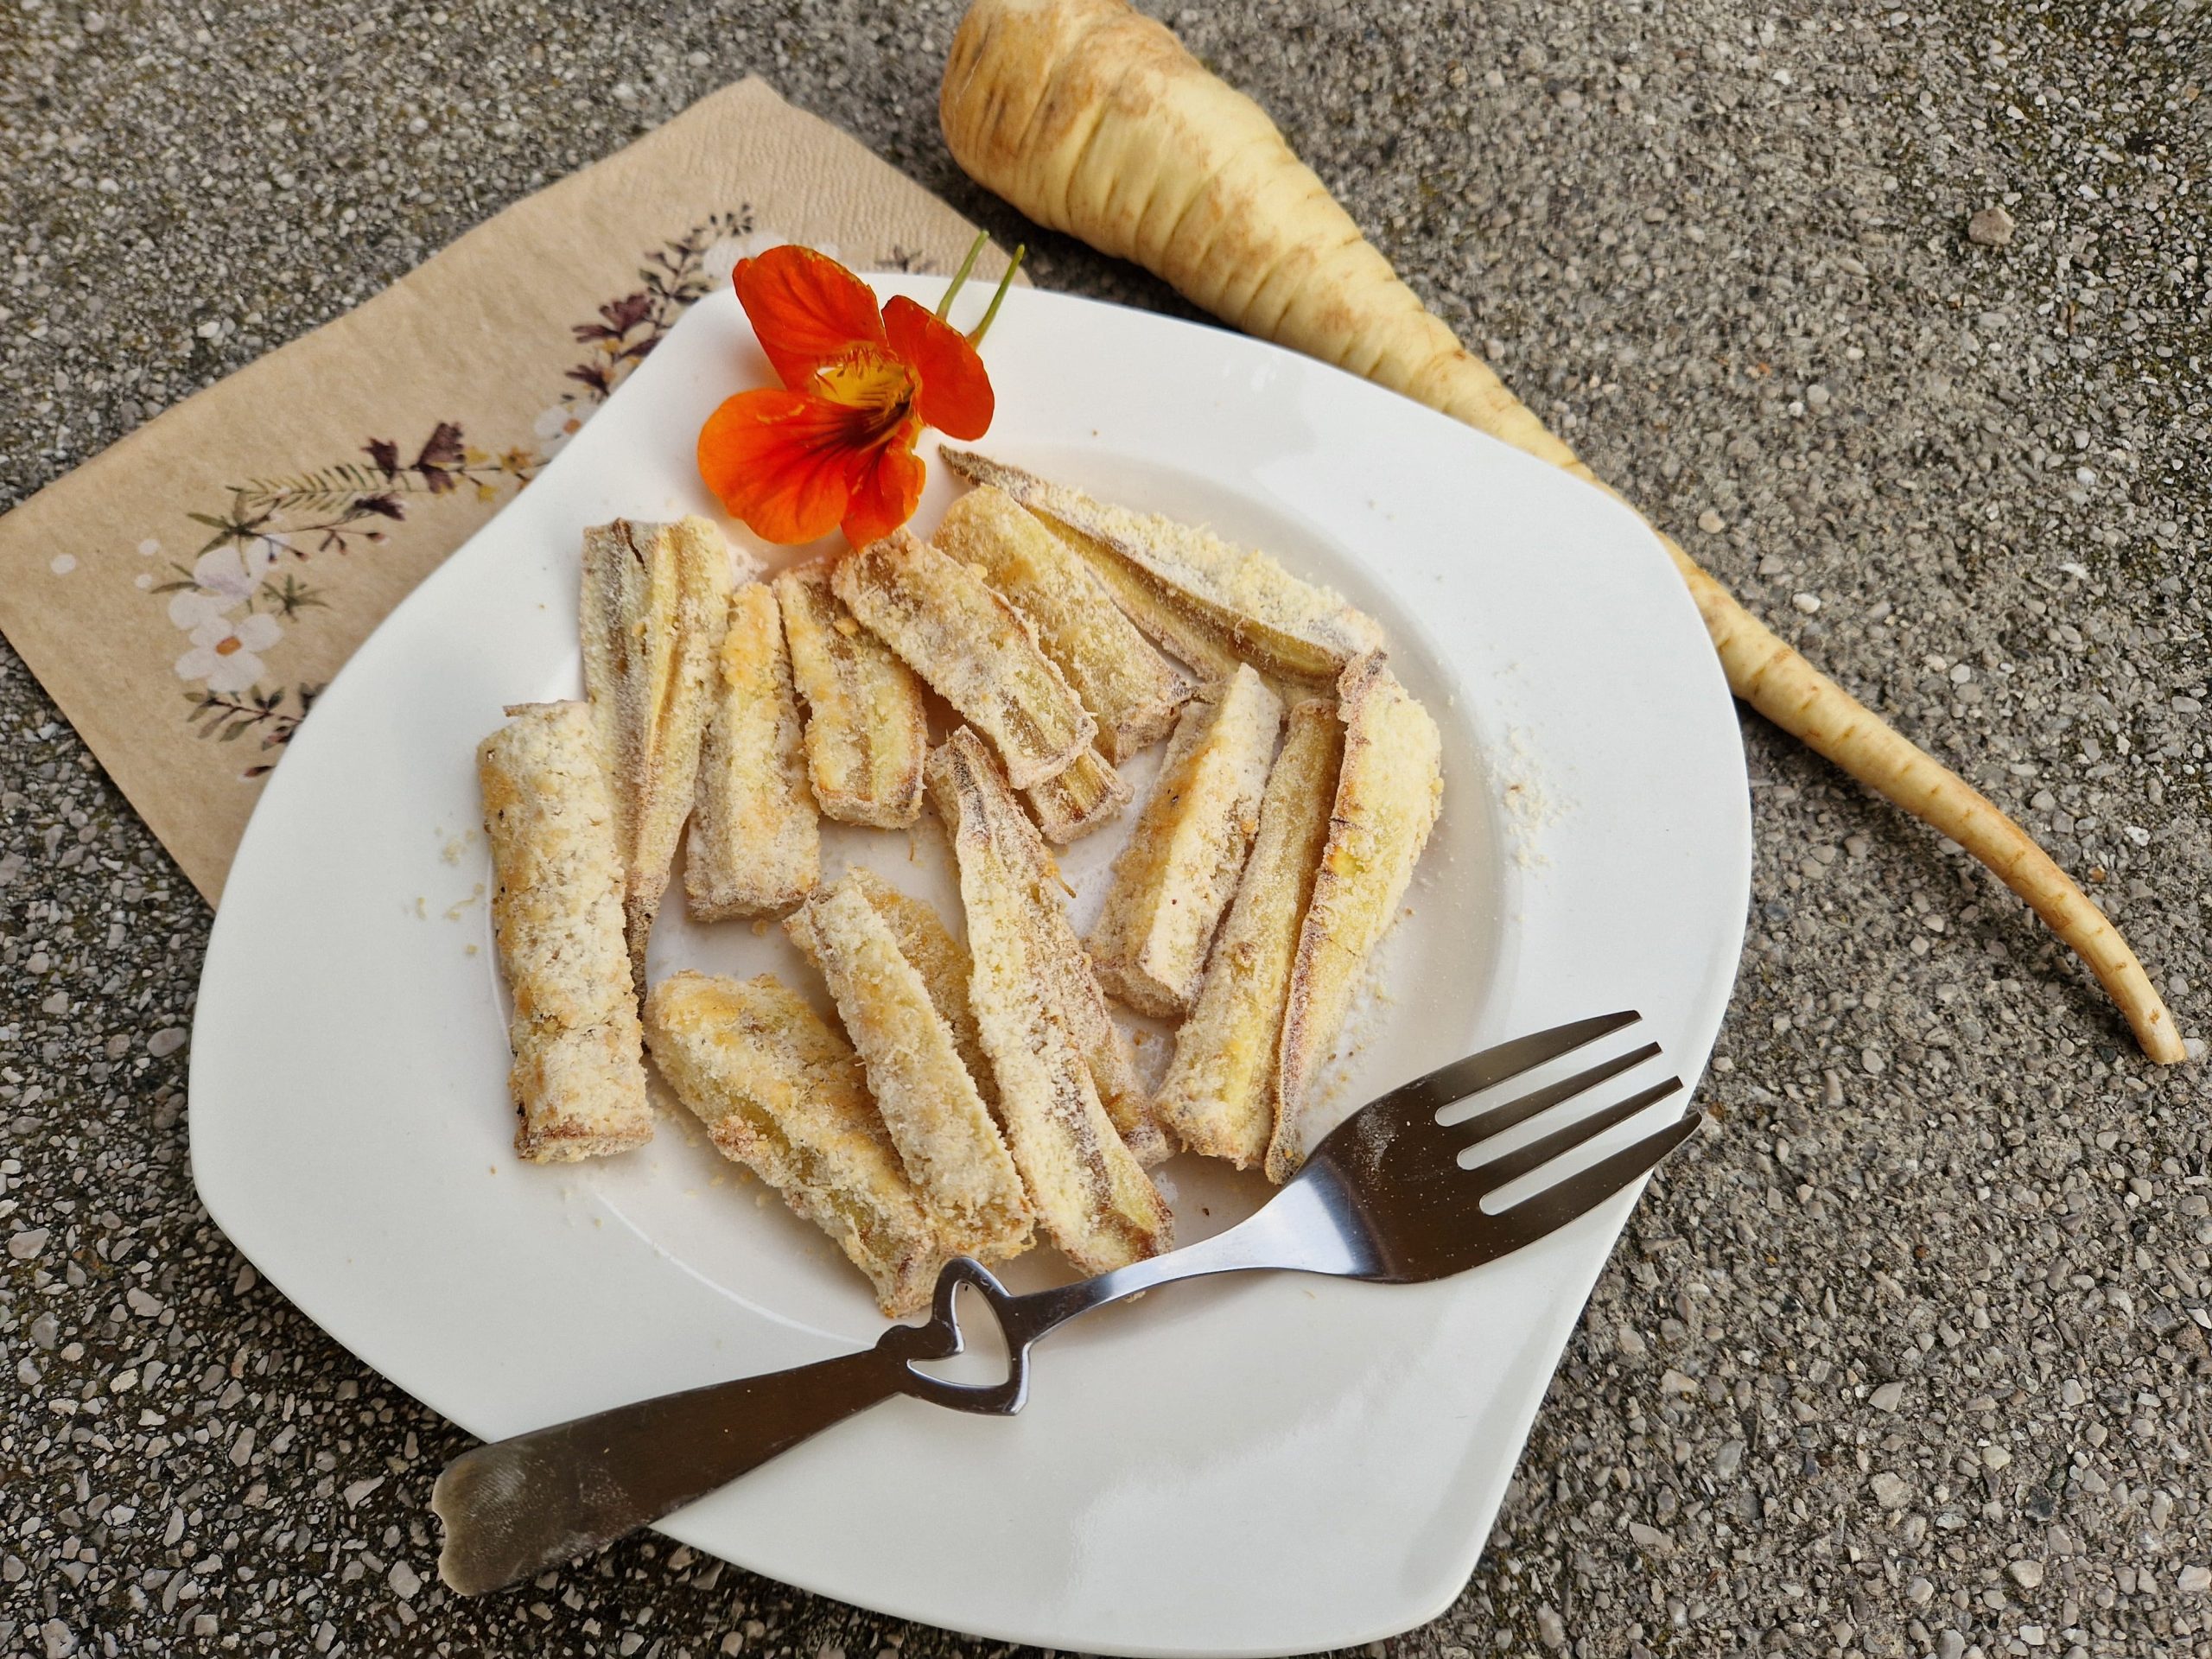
{"x": 1900, "y": 317}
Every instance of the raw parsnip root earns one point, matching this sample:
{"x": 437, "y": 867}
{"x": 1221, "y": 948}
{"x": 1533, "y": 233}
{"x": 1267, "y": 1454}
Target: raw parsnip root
{"x": 1093, "y": 119}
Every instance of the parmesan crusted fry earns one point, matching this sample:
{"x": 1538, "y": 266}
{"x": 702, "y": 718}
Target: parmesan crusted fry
{"x": 976, "y": 650}
{"x": 937, "y": 1118}
{"x": 578, "y": 1077}
{"x": 656, "y": 600}
{"x": 1179, "y": 871}
{"x": 1104, "y": 1049}
{"x": 1131, "y": 690}
{"x": 941, "y": 960}
{"x": 1220, "y": 1091}
{"x": 1204, "y": 600}
{"x": 1088, "y": 794}
{"x": 866, "y": 731}
{"x": 1073, "y": 984}
{"x": 781, "y": 1092}
{"x": 755, "y": 844}
{"x": 1388, "y": 790}
{"x": 1086, "y": 1186}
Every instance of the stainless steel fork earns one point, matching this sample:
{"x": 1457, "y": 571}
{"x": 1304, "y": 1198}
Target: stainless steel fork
{"x": 1384, "y": 1197}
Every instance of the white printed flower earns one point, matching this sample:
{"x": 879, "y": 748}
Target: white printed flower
{"x": 721, "y": 257}
{"x": 191, "y": 609}
{"x": 224, "y": 654}
{"x": 558, "y": 424}
{"x": 223, "y": 579}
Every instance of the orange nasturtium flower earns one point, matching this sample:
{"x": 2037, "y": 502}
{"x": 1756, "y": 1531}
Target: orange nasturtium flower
{"x": 833, "y": 445}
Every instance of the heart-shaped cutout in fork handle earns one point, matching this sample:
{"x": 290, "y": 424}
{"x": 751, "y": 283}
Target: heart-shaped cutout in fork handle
{"x": 1384, "y": 1199}
{"x": 1001, "y": 1399}
{"x": 518, "y": 1506}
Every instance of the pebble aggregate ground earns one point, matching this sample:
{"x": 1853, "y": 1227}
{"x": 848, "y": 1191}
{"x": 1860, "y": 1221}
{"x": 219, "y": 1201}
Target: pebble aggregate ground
{"x": 1898, "y": 314}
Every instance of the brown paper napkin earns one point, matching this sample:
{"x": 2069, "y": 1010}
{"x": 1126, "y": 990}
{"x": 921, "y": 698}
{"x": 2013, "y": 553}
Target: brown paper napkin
{"x": 184, "y": 594}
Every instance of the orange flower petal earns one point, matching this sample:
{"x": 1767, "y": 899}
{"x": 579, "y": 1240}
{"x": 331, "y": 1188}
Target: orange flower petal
{"x": 781, "y": 461}
{"x": 805, "y": 308}
{"x": 956, "y": 396}
{"x": 887, "y": 488}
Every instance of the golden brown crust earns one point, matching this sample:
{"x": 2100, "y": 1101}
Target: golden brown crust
{"x": 976, "y": 649}
{"x": 755, "y": 846}
{"x": 952, "y": 1149}
{"x": 1389, "y": 789}
{"x": 1086, "y": 1185}
{"x": 1178, "y": 870}
{"x": 782, "y": 1093}
{"x": 1087, "y": 795}
{"x": 578, "y": 1079}
{"x": 1130, "y": 689}
{"x": 1237, "y": 599}
{"x": 867, "y": 728}
{"x": 943, "y": 962}
{"x": 1220, "y": 1091}
{"x": 1073, "y": 981}
{"x": 655, "y": 603}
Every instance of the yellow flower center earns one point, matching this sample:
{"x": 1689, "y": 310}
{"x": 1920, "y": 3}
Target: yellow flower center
{"x": 871, "y": 381}
{"x": 229, "y": 643}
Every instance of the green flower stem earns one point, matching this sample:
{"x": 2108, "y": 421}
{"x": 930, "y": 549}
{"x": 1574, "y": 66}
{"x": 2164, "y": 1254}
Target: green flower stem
{"x": 960, "y": 277}
{"x": 998, "y": 299}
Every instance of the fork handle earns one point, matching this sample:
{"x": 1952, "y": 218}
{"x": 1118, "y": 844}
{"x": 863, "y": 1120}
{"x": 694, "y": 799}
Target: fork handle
{"x": 518, "y": 1507}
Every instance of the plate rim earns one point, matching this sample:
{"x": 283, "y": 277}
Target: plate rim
{"x": 216, "y": 1198}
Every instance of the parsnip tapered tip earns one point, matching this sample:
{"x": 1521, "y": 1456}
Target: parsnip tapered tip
{"x": 2153, "y": 1026}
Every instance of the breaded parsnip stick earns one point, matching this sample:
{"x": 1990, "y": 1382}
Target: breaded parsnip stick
{"x": 579, "y": 1076}
{"x": 952, "y": 1151}
{"x": 943, "y": 962}
{"x": 782, "y": 1093}
{"x": 1201, "y": 593}
{"x": 655, "y": 603}
{"x": 1219, "y": 1092}
{"x": 1071, "y": 982}
{"x": 1130, "y": 689}
{"x": 976, "y": 650}
{"x": 755, "y": 844}
{"x": 867, "y": 730}
{"x": 1179, "y": 871}
{"x": 1086, "y": 1185}
{"x": 1390, "y": 788}
{"x": 1088, "y": 794}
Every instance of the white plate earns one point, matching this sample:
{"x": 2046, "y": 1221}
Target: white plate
{"x": 1274, "y": 1464}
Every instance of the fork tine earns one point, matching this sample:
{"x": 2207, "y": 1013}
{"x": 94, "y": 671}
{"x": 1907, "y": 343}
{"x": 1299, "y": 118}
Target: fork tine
{"x": 1449, "y": 1084}
{"x": 1551, "y": 1209}
{"x": 1498, "y": 1119}
{"x": 1538, "y": 1153}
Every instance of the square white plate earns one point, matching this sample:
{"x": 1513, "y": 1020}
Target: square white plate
{"x": 1261, "y": 1466}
